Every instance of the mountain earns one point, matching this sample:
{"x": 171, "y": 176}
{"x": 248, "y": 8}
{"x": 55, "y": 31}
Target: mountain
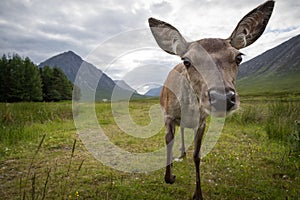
{"x": 283, "y": 59}
{"x": 71, "y": 63}
{"x": 275, "y": 71}
{"x": 124, "y": 85}
{"x": 154, "y": 92}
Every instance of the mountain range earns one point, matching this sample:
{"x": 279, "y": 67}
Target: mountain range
{"x": 154, "y": 92}
{"x": 93, "y": 80}
{"x": 122, "y": 84}
{"x": 275, "y": 71}
{"x": 285, "y": 58}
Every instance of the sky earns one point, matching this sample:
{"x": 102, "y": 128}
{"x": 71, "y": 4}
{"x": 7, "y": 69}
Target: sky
{"x": 114, "y": 35}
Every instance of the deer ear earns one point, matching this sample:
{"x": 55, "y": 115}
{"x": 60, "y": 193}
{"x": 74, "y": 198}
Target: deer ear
{"x": 251, "y": 27}
{"x": 168, "y": 37}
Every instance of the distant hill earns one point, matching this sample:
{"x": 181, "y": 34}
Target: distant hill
{"x": 154, "y": 92}
{"x": 275, "y": 71}
{"x": 124, "y": 85}
{"x": 70, "y": 63}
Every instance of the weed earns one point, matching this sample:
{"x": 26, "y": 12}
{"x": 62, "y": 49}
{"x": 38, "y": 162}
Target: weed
{"x": 29, "y": 172}
{"x": 294, "y": 138}
{"x": 39, "y": 189}
{"x": 46, "y": 183}
{"x": 280, "y": 123}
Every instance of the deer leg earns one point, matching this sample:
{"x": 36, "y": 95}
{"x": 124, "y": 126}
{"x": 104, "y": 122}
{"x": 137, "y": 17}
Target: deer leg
{"x": 198, "y": 139}
{"x": 170, "y": 131}
{"x": 183, "y": 153}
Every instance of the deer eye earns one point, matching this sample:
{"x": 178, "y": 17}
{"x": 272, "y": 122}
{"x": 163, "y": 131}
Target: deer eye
{"x": 239, "y": 58}
{"x": 186, "y": 62}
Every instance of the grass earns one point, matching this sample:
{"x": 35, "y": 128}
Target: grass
{"x": 270, "y": 84}
{"x": 45, "y": 158}
{"x": 278, "y": 117}
{"x": 281, "y": 124}
{"x": 20, "y": 121}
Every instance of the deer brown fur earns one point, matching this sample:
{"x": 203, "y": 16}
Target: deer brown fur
{"x": 205, "y": 82}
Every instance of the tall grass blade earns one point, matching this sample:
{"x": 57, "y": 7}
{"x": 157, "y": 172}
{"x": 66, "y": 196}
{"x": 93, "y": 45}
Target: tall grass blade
{"x": 46, "y": 183}
{"x": 31, "y": 165}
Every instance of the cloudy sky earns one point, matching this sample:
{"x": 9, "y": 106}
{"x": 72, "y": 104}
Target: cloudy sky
{"x": 114, "y": 34}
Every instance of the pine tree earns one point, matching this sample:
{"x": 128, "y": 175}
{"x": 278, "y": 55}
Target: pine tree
{"x": 46, "y": 75}
{"x": 32, "y": 87}
{"x": 19, "y": 80}
{"x": 56, "y": 86}
{"x": 62, "y": 84}
{"x": 3, "y": 78}
{"x": 76, "y": 93}
{"x": 14, "y": 79}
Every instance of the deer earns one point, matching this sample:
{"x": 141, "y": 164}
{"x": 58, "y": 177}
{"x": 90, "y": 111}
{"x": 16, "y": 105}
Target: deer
{"x": 203, "y": 83}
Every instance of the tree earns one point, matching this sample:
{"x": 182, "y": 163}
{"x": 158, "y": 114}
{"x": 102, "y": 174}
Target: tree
{"x": 62, "y": 84}
{"x": 46, "y": 75}
{"x": 3, "y": 78}
{"x": 56, "y": 86}
{"x": 19, "y": 80}
{"x": 22, "y": 80}
{"x": 14, "y": 79}
{"x": 76, "y": 93}
{"x": 32, "y": 85}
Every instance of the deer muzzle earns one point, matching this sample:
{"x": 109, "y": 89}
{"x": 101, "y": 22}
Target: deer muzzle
{"x": 222, "y": 100}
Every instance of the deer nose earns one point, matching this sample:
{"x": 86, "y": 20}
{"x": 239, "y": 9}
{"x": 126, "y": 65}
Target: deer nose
{"x": 221, "y": 100}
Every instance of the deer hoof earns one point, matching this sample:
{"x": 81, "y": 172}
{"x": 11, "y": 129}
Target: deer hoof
{"x": 171, "y": 179}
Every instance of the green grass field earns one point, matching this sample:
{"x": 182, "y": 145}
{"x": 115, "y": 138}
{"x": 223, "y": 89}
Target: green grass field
{"x": 256, "y": 157}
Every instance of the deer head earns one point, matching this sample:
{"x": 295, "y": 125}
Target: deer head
{"x": 212, "y": 64}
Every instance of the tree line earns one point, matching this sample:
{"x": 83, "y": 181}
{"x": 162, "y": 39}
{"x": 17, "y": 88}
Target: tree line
{"x": 22, "y": 80}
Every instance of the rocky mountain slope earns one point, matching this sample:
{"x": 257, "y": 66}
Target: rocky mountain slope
{"x": 275, "y": 71}
{"x": 282, "y": 59}
{"x": 92, "y": 78}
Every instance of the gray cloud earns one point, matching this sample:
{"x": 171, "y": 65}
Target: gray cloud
{"x": 146, "y": 75}
{"x": 40, "y": 29}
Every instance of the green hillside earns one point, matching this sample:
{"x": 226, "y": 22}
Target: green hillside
{"x": 276, "y": 71}
{"x": 270, "y": 84}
